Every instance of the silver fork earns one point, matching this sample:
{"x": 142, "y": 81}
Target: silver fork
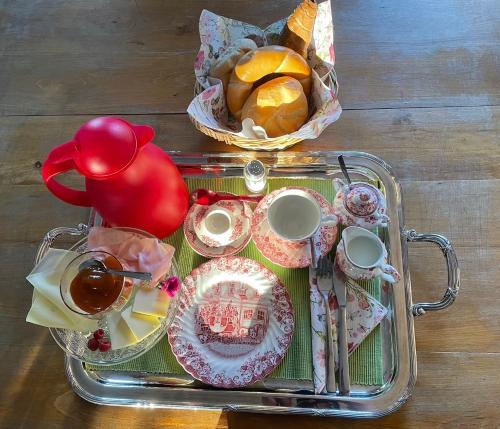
{"x": 339, "y": 285}
{"x": 325, "y": 286}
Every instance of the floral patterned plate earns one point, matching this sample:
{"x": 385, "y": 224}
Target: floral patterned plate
{"x": 242, "y": 213}
{"x": 233, "y": 324}
{"x": 290, "y": 254}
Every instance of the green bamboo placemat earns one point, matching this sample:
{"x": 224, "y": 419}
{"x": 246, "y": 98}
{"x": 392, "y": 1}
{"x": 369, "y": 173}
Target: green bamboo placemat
{"x": 366, "y": 361}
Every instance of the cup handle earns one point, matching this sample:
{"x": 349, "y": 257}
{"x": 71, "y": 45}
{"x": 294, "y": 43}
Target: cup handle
{"x": 388, "y": 273}
{"x": 329, "y": 220}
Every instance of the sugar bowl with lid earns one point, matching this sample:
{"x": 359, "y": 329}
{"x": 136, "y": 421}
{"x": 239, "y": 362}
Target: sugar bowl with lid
{"x": 359, "y": 204}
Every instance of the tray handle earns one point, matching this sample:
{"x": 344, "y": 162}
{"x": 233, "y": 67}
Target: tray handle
{"x": 50, "y": 237}
{"x": 453, "y": 271}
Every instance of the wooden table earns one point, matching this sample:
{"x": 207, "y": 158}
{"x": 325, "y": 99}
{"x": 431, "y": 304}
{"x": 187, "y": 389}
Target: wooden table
{"x": 419, "y": 84}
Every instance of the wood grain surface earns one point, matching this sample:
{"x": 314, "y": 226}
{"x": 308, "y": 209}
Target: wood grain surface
{"x": 419, "y": 84}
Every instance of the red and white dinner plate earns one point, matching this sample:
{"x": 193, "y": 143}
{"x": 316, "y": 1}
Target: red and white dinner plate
{"x": 233, "y": 324}
{"x": 242, "y": 213}
{"x": 291, "y": 254}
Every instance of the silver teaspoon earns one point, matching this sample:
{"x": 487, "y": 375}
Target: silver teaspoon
{"x": 97, "y": 265}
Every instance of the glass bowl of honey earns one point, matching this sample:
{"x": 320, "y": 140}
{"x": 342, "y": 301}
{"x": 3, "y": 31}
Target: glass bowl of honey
{"x": 93, "y": 293}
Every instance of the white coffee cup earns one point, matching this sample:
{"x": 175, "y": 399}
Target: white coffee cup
{"x": 295, "y": 215}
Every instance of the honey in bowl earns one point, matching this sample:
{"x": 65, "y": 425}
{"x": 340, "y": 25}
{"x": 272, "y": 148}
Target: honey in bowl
{"x": 94, "y": 291}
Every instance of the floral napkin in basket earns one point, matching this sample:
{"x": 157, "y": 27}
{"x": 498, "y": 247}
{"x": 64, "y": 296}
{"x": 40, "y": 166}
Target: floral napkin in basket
{"x": 364, "y": 313}
{"x": 217, "y": 33}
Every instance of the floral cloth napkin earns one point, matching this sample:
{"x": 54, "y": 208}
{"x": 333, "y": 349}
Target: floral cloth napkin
{"x": 364, "y": 313}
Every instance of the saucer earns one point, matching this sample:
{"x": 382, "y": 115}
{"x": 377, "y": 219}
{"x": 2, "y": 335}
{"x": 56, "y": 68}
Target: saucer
{"x": 231, "y": 211}
{"x": 242, "y": 212}
{"x": 234, "y": 323}
{"x": 291, "y": 254}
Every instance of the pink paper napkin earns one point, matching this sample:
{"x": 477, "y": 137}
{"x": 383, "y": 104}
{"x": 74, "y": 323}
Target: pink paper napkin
{"x": 136, "y": 252}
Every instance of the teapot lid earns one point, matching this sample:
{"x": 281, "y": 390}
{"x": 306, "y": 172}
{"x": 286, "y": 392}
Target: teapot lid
{"x": 105, "y": 146}
{"x": 362, "y": 199}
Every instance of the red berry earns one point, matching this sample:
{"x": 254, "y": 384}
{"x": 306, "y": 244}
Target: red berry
{"x": 104, "y": 345}
{"x": 93, "y": 344}
{"x": 99, "y": 334}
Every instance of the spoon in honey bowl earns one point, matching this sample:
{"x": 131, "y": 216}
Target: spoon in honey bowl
{"x": 96, "y": 265}
{"x": 207, "y": 197}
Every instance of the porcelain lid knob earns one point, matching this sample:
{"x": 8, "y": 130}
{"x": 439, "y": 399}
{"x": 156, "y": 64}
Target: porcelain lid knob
{"x": 361, "y": 200}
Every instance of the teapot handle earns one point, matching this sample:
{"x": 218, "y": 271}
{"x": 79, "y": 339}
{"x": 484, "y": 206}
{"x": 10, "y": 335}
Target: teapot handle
{"x": 383, "y": 218}
{"x": 59, "y": 161}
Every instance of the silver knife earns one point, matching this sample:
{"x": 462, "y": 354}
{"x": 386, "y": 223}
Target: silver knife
{"x": 339, "y": 285}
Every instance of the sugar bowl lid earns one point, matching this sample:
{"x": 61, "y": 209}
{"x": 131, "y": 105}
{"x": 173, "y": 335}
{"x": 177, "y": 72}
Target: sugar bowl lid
{"x": 362, "y": 199}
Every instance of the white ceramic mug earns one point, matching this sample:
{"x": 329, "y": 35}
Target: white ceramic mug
{"x": 216, "y": 227}
{"x": 295, "y": 215}
{"x": 361, "y": 255}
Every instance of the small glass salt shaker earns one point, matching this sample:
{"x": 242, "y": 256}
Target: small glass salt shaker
{"x": 255, "y": 176}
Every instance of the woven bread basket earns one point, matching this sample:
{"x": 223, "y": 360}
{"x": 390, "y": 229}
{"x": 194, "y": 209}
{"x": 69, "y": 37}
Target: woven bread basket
{"x": 276, "y": 143}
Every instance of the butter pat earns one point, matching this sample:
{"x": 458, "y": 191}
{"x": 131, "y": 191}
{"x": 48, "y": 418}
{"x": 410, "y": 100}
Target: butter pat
{"x": 152, "y": 302}
{"x": 140, "y": 324}
{"x": 119, "y": 333}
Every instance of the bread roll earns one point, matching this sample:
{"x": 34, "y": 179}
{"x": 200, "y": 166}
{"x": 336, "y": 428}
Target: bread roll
{"x": 298, "y": 30}
{"x": 279, "y": 106}
{"x": 224, "y": 65}
{"x": 254, "y": 65}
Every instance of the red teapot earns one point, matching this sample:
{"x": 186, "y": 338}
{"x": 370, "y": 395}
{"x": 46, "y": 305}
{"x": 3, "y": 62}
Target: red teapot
{"x": 128, "y": 180}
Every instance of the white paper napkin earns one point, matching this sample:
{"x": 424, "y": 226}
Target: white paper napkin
{"x": 47, "y": 308}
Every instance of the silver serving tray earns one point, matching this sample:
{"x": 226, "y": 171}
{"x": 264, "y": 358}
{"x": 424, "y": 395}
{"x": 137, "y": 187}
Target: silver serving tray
{"x": 288, "y": 396}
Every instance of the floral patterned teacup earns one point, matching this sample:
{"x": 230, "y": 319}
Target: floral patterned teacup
{"x": 361, "y": 255}
{"x": 359, "y": 204}
{"x": 217, "y": 227}
{"x": 295, "y": 215}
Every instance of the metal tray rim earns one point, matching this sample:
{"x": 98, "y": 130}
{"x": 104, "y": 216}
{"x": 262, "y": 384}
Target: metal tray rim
{"x": 387, "y": 401}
